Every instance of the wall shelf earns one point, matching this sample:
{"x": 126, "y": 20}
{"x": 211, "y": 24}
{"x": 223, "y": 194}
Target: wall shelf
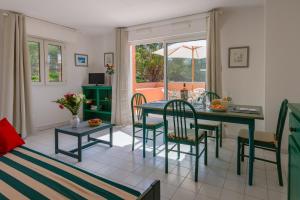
{"x": 101, "y": 97}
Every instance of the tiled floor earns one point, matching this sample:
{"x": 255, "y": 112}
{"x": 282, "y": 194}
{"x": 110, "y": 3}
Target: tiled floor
{"x": 217, "y": 180}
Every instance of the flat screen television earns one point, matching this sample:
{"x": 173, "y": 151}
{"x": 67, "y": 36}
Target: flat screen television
{"x": 96, "y": 78}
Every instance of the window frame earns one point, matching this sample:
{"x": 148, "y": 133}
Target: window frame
{"x": 44, "y": 66}
{"x": 63, "y": 64}
{"x": 41, "y": 58}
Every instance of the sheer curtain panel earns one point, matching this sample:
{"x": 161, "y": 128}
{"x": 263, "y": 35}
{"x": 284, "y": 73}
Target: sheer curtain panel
{"x": 121, "y": 114}
{"x": 213, "y": 60}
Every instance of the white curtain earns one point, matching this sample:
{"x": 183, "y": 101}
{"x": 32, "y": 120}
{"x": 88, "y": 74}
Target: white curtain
{"x": 121, "y": 113}
{"x": 213, "y": 60}
{"x": 15, "y": 75}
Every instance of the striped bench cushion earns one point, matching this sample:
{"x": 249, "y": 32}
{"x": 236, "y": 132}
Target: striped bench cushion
{"x": 27, "y": 174}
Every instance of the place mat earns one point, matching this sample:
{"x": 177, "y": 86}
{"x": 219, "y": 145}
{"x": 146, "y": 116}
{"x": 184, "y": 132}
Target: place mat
{"x": 244, "y": 110}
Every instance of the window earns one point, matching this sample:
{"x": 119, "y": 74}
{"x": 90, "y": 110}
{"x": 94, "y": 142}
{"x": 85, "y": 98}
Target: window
{"x": 162, "y": 69}
{"x": 186, "y": 67}
{"x": 54, "y": 62}
{"x": 35, "y": 47}
{"x": 46, "y": 60}
{"x": 148, "y": 70}
{"x": 149, "y": 64}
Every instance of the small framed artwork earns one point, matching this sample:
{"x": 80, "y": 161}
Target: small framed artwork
{"x": 81, "y": 60}
{"x": 108, "y": 59}
{"x": 238, "y": 57}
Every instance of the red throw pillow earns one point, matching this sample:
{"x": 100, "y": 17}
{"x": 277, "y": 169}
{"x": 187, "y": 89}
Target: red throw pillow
{"x": 9, "y": 138}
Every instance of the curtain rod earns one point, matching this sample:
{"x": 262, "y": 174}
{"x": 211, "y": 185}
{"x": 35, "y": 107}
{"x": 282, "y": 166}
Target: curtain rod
{"x": 174, "y": 19}
{"x": 43, "y": 20}
{"x": 6, "y": 13}
{"x": 170, "y": 20}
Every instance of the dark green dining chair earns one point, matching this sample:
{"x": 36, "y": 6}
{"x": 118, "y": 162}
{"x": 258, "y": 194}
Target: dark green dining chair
{"x": 211, "y": 125}
{"x": 152, "y": 124}
{"x": 265, "y": 140}
{"x": 180, "y": 112}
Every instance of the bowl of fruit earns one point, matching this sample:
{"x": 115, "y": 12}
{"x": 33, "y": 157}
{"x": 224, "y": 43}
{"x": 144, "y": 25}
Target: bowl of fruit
{"x": 94, "y": 122}
{"x": 217, "y": 105}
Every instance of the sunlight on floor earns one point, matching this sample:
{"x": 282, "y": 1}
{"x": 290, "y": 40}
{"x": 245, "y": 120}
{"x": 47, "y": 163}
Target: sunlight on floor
{"x": 121, "y": 139}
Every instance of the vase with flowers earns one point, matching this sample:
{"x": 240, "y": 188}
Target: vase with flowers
{"x": 110, "y": 71}
{"x": 72, "y": 102}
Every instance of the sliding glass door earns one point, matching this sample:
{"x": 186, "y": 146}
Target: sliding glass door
{"x": 161, "y": 70}
{"x": 186, "y": 68}
{"x": 148, "y": 71}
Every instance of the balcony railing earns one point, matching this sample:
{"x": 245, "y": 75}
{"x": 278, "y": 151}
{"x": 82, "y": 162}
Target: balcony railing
{"x": 154, "y": 91}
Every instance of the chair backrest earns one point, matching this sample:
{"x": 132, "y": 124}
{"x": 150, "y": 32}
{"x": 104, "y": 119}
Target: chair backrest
{"x": 179, "y": 111}
{"x": 281, "y": 121}
{"x": 136, "y": 100}
{"x": 210, "y": 95}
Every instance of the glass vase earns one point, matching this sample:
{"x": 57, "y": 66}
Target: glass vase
{"x": 75, "y": 121}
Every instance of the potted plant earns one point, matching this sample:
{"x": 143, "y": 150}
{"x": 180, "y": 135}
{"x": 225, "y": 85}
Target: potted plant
{"x": 72, "y": 102}
{"x": 110, "y": 71}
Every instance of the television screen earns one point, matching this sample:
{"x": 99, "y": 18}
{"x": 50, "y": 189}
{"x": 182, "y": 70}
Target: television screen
{"x": 96, "y": 78}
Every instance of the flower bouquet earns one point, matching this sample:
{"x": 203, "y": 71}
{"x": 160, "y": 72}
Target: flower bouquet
{"x": 72, "y": 102}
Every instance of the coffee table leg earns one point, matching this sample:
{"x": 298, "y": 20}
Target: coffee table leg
{"x": 79, "y": 148}
{"x": 111, "y": 136}
{"x": 251, "y": 151}
{"x": 56, "y": 141}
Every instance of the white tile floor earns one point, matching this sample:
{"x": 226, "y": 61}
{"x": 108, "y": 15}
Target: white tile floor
{"x": 217, "y": 180}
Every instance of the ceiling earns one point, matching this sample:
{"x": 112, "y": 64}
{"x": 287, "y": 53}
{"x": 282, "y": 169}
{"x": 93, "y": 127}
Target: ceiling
{"x": 98, "y": 16}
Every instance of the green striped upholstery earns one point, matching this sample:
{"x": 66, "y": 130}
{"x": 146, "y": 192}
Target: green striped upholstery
{"x": 27, "y": 174}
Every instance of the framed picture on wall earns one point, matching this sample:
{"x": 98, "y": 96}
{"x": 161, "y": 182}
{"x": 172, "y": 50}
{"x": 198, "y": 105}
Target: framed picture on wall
{"x": 108, "y": 59}
{"x": 81, "y": 60}
{"x": 238, "y": 57}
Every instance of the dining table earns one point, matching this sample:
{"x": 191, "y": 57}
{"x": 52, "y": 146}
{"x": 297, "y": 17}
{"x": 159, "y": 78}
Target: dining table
{"x": 236, "y": 114}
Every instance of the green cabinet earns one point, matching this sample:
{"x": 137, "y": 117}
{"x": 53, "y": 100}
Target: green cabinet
{"x": 98, "y": 103}
{"x": 294, "y": 153}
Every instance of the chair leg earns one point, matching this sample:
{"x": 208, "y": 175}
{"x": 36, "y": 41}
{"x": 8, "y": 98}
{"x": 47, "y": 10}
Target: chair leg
{"x": 221, "y": 134}
{"x": 154, "y": 142}
{"x": 243, "y": 152}
{"x": 205, "y": 149}
{"x": 166, "y": 157}
{"x": 238, "y": 167}
{"x": 279, "y": 170}
{"x": 178, "y": 151}
{"x": 147, "y": 135}
{"x": 217, "y": 142}
{"x": 133, "y": 137}
{"x": 165, "y": 132}
{"x": 197, "y": 163}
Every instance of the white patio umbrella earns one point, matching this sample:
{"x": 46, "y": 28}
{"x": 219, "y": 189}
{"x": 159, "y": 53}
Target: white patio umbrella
{"x": 193, "y": 50}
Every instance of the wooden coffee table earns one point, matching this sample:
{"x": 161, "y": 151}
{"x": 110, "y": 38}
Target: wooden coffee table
{"x": 83, "y": 130}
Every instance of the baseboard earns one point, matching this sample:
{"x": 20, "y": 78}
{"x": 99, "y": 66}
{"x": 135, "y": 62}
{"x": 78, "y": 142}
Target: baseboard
{"x": 50, "y": 126}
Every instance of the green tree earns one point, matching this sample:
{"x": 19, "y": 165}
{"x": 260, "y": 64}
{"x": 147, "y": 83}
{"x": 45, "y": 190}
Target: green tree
{"x": 34, "y": 56}
{"x": 54, "y": 59}
{"x": 149, "y": 66}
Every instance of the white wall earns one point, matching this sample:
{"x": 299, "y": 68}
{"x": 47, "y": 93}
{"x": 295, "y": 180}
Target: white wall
{"x": 102, "y": 44}
{"x": 282, "y": 57}
{"x": 45, "y": 112}
{"x": 244, "y": 27}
